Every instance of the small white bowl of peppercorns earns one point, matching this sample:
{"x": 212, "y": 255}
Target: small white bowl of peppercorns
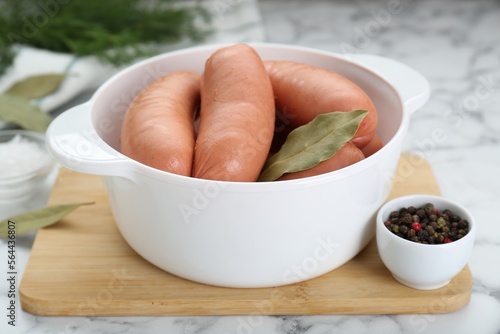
{"x": 424, "y": 240}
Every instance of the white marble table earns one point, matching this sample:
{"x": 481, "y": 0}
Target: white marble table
{"x": 456, "y": 45}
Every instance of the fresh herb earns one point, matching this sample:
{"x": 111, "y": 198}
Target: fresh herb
{"x": 316, "y": 141}
{"x": 17, "y": 107}
{"x": 24, "y": 113}
{"x": 36, "y": 86}
{"x": 35, "y": 219}
{"x": 7, "y": 53}
{"x": 116, "y": 31}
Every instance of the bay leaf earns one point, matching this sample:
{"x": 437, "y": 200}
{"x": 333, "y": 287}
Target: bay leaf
{"x": 23, "y": 113}
{"x": 312, "y": 143}
{"x": 36, "y": 86}
{"x": 36, "y": 219}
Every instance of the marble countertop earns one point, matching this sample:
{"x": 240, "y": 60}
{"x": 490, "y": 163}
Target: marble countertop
{"x": 456, "y": 45}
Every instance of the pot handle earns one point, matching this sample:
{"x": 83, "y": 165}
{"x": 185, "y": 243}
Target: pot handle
{"x": 410, "y": 84}
{"x": 72, "y": 140}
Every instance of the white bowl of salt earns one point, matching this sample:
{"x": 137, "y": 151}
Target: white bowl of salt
{"x": 27, "y": 172}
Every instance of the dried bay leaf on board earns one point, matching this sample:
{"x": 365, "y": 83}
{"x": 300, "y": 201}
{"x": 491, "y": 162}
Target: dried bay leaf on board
{"x": 316, "y": 141}
{"x": 36, "y": 86}
{"x": 36, "y": 219}
{"x": 22, "y": 112}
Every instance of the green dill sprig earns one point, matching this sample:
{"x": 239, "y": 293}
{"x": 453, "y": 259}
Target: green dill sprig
{"x": 116, "y": 31}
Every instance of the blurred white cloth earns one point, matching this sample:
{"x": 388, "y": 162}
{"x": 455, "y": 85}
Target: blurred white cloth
{"x": 83, "y": 73}
{"x": 233, "y": 21}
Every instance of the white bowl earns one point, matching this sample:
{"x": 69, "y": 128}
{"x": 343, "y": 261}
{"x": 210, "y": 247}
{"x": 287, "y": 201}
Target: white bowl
{"x": 423, "y": 266}
{"x": 241, "y": 234}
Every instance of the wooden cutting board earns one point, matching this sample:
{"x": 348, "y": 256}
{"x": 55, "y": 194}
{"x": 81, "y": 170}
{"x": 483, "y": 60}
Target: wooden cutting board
{"x": 82, "y": 266}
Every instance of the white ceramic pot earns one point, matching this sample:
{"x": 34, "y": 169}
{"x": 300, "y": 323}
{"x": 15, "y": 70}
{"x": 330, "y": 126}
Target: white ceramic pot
{"x": 241, "y": 234}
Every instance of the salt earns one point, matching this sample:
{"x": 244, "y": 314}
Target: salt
{"x": 27, "y": 172}
{"x": 21, "y": 156}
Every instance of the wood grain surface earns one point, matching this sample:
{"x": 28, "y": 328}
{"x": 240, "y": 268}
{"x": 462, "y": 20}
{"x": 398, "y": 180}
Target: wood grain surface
{"x": 83, "y": 267}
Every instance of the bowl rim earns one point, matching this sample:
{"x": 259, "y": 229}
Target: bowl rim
{"x": 427, "y": 198}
